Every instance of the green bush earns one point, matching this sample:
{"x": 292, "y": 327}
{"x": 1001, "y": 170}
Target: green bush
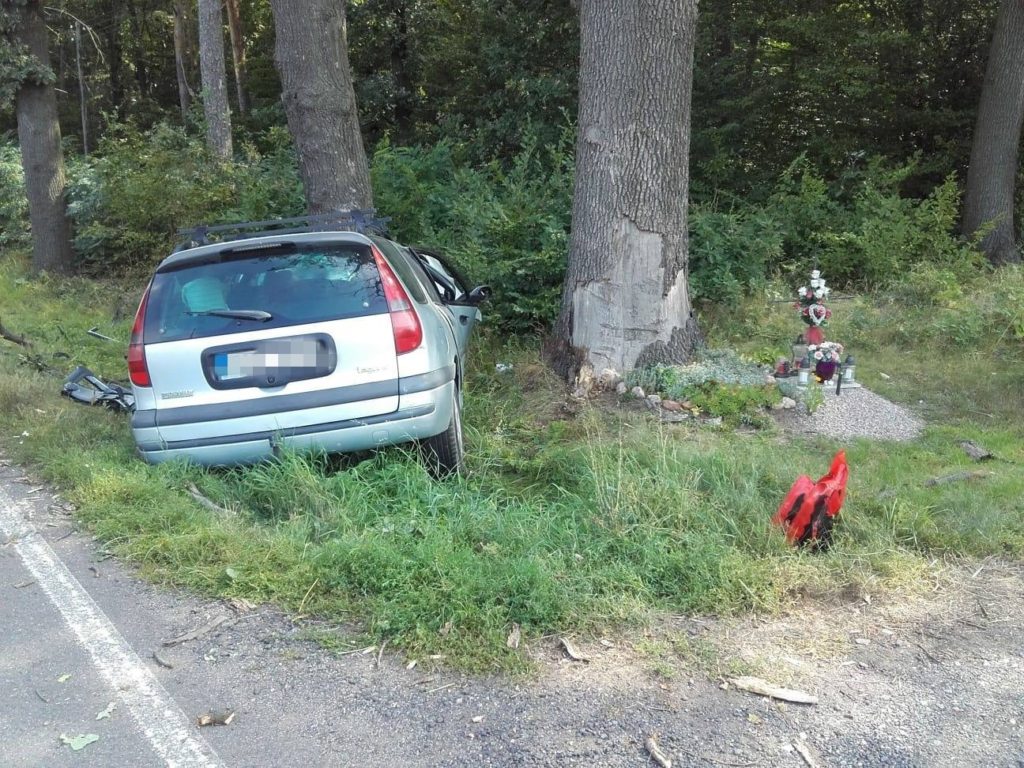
{"x": 128, "y": 201}
{"x": 506, "y": 226}
{"x": 730, "y": 252}
{"x": 14, "y": 230}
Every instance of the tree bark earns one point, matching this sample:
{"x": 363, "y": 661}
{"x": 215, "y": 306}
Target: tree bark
{"x": 41, "y": 157}
{"x": 312, "y": 58}
{"x": 626, "y": 303}
{"x": 238, "y": 54}
{"x": 184, "y": 54}
{"x": 997, "y": 134}
{"x": 215, "y": 92}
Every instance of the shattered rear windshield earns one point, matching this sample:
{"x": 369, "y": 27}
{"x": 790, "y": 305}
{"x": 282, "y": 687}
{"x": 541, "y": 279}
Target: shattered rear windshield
{"x": 306, "y": 285}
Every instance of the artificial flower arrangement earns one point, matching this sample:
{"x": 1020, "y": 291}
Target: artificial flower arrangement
{"x": 826, "y": 352}
{"x": 811, "y": 301}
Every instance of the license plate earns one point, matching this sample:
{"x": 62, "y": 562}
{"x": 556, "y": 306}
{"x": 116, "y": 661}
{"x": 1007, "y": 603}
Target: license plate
{"x": 283, "y": 358}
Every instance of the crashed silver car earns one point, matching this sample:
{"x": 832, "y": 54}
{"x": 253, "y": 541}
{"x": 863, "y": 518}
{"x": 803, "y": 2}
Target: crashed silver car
{"x": 336, "y": 340}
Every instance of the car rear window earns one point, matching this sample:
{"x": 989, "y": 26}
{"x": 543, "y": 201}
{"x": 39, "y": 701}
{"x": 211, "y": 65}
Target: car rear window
{"x": 307, "y": 284}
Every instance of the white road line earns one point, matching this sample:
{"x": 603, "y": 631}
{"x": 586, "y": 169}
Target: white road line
{"x": 158, "y": 716}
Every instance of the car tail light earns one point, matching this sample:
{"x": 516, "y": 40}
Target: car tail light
{"x": 404, "y": 321}
{"x": 138, "y": 372}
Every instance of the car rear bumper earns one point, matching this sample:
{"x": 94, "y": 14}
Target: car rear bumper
{"x": 420, "y": 415}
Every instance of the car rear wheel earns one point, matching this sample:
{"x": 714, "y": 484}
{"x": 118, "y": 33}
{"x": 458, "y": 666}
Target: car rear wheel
{"x": 444, "y": 453}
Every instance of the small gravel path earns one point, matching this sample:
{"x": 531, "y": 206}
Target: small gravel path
{"x": 860, "y": 413}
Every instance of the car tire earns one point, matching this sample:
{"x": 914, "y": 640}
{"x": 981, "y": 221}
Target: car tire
{"x": 444, "y": 453}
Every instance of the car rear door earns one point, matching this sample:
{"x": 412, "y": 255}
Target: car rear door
{"x": 283, "y": 337}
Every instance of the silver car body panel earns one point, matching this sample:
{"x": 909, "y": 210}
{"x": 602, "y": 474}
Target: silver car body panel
{"x": 373, "y": 397}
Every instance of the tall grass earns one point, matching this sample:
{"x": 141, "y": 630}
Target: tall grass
{"x": 561, "y": 524}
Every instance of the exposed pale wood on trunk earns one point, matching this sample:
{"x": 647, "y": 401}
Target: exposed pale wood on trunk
{"x": 238, "y": 53}
{"x": 994, "y": 153}
{"x": 215, "y": 92}
{"x": 41, "y": 157}
{"x": 626, "y": 301}
{"x": 312, "y": 58}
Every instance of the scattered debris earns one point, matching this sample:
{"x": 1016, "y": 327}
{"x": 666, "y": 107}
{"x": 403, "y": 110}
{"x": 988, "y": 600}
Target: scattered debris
{"x": 380, "y": 653}
{"x": 83, "y": 386}
{"x": 503, "y": 367}
{"x": 571, "y": 650}
{"x": 656, "y": 754}
{"x": 162, "y": 661}
{"x": 107, "y": 711}
{"x": 95, "y": 571}
{"x": 79, "y": 742}
{"x": 40, "y": 696}
{"x": 975, "y": 451}
{"x": 95, "y": 333}
{"x": 764, "y": 688}
{"x": 241, "y": 605}
{"x": 956, "y": 477}
{"x": 885, "y": 376}
{"x": 63, "y": 678}
{"x": 478, "y": 719}
{"x": 862, "y": 641}
{"x": 440, "y": 688}
{"x": 23, "y": 584}
{"x": 514, "y": 637}
{"x": 197, "y": 633}
{"x": 412, "y": 664}
{"x": 445, "y": 629}
{"x": 216, "y": 718}
{"x": 805, "y": 753}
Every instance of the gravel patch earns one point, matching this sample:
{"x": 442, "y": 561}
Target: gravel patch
{"x": 860, "y": 413}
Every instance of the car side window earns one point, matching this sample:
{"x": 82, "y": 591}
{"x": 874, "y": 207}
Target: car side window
{"x": 447, "y": 280}
{"x": 435, "y": 291}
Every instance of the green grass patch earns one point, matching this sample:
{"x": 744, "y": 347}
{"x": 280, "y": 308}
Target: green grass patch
{"x": 560, "y": 524}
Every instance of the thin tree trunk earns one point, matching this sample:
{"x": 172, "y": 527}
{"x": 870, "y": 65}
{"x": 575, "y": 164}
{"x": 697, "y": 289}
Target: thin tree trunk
{"x": 238, "y": 54}
{"x": 994, "y": 153}
{"x": 184, "y": 54}
{"x": 626, "y": 303}
{"x": 83, "y": 108}
{"x": 39, "y": 138}
{"x": 312, "y": 58}
{"x": 215, "y": 92}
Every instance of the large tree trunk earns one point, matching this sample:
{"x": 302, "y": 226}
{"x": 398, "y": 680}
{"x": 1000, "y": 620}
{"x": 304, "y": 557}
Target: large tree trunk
{"x": 215, "y": 92}
{"x": 312, "y": 58}
{"x": 184, "y": 54}
{"x": 238, "y": 53}
{"x": 39, "y": 137}
{"x": 626, "y": 303}
{"x": 993, "y": 169}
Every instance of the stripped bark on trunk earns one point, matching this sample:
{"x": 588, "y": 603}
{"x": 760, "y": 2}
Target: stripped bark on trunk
{"x": 626, "y": 303}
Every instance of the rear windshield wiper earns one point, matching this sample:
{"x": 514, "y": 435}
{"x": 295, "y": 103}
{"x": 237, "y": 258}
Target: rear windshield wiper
{"x": 236, "y": 314}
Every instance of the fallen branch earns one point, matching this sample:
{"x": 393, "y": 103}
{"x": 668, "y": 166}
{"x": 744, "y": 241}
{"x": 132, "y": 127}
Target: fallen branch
{"x": 210, "y": 505}
{"x": 12, "y": 337}
{"x": 197, "y": 633}
{"x": 656, "y": 754}
{"x": 764, "y": 688}
{"x": 975, "y": 451}
{"x": 805, "y": 753}
{"x": 956, "y": 477}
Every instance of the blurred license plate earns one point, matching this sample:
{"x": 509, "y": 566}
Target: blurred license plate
{"x": 282, "y": 358}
